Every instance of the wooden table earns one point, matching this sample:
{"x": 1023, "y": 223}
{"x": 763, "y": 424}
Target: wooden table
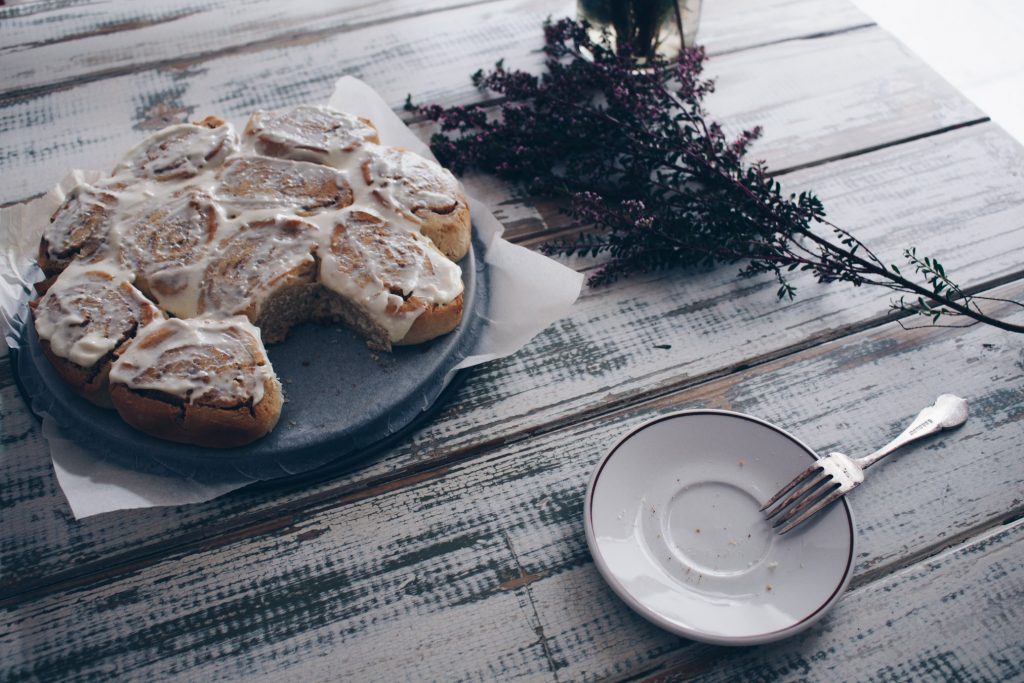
{"x": 460, "y": 553}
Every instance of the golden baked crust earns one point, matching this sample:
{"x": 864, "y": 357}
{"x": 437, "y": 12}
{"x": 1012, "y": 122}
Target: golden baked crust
{"x": 89, "y": 383}
{"x": 435, "y": 320}
{"x": 84, "y": 320}
{"x": 423, "y": 192}
{"x": 214, "y": 427}
{"x": 201, "y": 381}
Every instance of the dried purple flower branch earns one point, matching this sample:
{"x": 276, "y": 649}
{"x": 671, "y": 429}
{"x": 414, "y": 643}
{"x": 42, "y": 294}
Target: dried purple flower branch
{"x": 660, "y": 185}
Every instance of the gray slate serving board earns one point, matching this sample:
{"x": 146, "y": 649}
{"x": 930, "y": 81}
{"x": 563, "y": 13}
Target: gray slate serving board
{"x": 341, "y": 398}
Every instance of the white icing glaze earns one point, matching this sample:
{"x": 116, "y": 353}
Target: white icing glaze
{"x": 164, "y": 240}
{"x": 255, "y": 182}
{"x": 426, "y": 277}
{"x": 220, "y": 360}
{"x": 308, "y": 132}
{"x": 246, "y": 266}
{"x": 408, "y": 182}
{"x": 180, "y": 151}
{"x": 89, "y": 311}
{"x": 366, "y": 264}
{"x": 82, "y": 222}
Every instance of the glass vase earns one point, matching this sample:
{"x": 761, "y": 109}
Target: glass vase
{"x": 652, "y": 27}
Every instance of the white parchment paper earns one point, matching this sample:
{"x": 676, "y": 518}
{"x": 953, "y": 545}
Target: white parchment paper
{"x": 527, "y": 293}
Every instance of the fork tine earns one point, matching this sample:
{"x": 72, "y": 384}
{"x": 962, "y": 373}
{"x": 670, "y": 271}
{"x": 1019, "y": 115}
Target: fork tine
{"x": 807, "y": 502}
{"x": 807, "y": 473}
{"x": 809, "y": 487}
{"x": 836, "y": 495}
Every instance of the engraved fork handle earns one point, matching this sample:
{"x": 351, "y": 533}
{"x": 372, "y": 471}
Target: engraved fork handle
{"x": 947, "y": 412}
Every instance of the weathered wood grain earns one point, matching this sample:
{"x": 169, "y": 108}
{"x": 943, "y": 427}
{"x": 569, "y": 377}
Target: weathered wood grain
{"x": 953, "y": 617}
{"x": 41, "y": 50}
{"x": 608, "y": 353}
{"x": 484, "y": 571}
{"x": 480, "y": 570}
{"x": 105, "y": 39}
{"x": 865, "y": 90}
{"x": 838, "y": 106}
{"x": 730, "y": 25}
{"x": 91, "y": 125}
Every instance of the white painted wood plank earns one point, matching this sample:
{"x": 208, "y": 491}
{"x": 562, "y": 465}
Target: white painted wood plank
{"x": 484, "y": 572}
{"x": 119, "y": 37}
{"x": 987, "y": 65}
{"x": 955, "y": 617}
{"x": 110, "y": 38}
{"x": 93, "y": 124}
{"x": 851, "y": 91}
{"x": 606, "y": 353}
{"x": 40, "y": 49}
{"x": 727, "y": 25}
{"x": 843, "y": 104}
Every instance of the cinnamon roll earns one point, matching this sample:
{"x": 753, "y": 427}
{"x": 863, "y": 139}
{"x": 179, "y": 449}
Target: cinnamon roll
{"x": 202, "y": 380}
{"x": 391, "y": 284}
{"x": 266, "y": 271}
{"x": 251, "y": 182}
{"x": 308, "y": 133}
{"x": 421, "y": 191}
{"x": 84, "y": 319}
{"x": 77, "y": 229}
{"x": 181, "y": 151}
{"x": 164, "y": 245}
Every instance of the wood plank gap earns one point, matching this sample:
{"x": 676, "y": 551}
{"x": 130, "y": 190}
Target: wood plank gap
{"x": 496, "y": 101}
{"x": 692, "y": 659}
{"x": 20, "y": 94}
{"x": 23, "y": 200}
{"x": 965, "y": 538}
{"x": 278, "y": 519}
{"x": 534, "y": 239}
{"x": 809, "y": 36}
{"x": 39, "y": 7}
{"x": 875, "y": 148}
{"x": 105, "y": 30}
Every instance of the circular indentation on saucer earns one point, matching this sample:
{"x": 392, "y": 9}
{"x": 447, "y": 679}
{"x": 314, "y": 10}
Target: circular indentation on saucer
{"x": 716, "y": 528}
{"x": 673, "y": 523}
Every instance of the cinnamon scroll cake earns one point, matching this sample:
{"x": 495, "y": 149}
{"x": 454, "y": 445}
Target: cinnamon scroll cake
{"x": 166, "y": 279}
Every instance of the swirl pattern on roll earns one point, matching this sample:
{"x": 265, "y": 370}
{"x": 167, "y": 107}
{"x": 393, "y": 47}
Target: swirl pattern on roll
{"x": 89, "y": 311}
{"x": 393, "y": 274}
{"x": 181, "y": 151}
{"x": 205, "y": 361}
{"x": 252, "y": 263}
{"x": 77, "y": 228}
{"x": 164, "y": 242}
{"x": 422, "y": 192}
{"x": 308, "y": 133}
{"x": 414, "y": 184}
{"x": 263, "y": 182}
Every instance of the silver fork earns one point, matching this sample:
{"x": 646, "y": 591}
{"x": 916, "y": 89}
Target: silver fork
{"x": 835, "y": 475}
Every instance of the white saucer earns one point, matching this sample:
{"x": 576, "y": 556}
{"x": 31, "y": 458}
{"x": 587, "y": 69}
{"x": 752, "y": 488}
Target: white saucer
{"x": 673, "y": 523}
